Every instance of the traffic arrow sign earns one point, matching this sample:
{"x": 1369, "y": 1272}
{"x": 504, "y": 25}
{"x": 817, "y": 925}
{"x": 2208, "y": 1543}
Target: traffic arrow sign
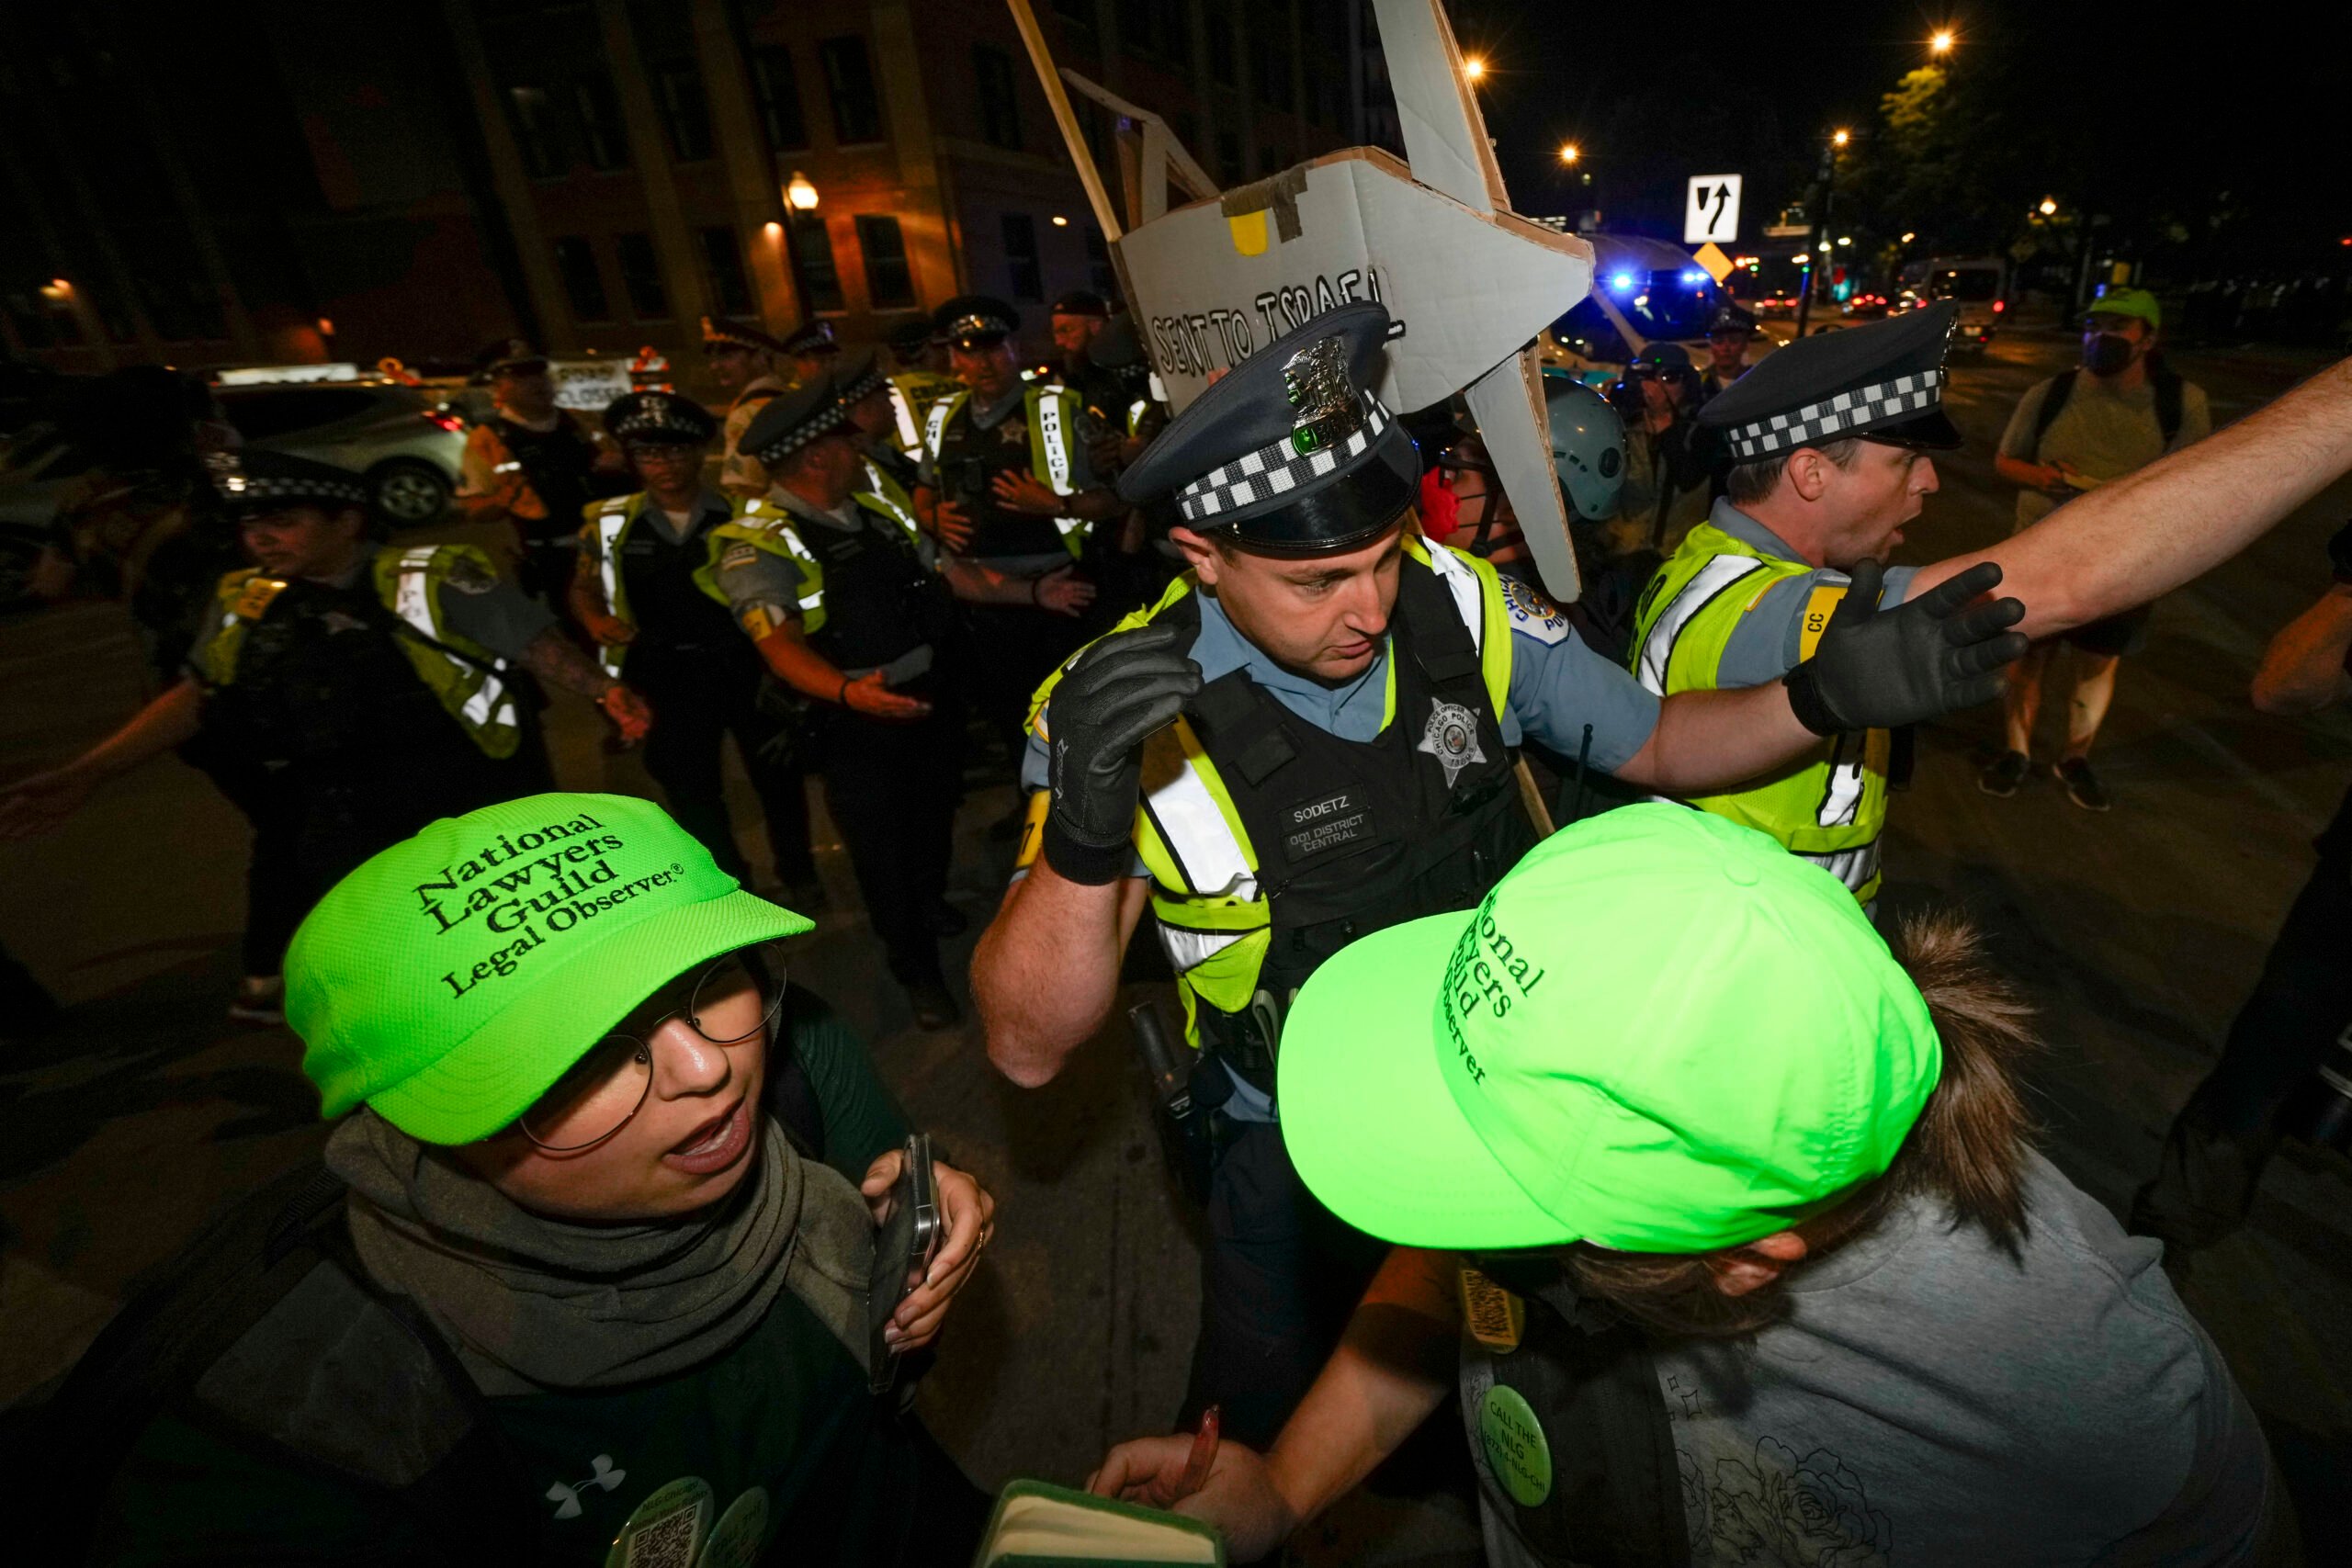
{"x": 1711, "y": 209}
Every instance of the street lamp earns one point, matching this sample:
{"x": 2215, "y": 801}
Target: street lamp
{"x": 1817, "y": 278}
{"x": 1908, "y": 236}
{"x": 1840, "y": 139}
{"x": 1942, "y": 41}
{"x": 800, "y": 193}
{"x": 2049, "y": 207}
{"x": 1569, "y": 152}
{"x": 1473, "y": 67}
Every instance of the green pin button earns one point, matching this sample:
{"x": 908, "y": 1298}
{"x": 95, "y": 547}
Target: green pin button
{"x": 1516, "y": 1451}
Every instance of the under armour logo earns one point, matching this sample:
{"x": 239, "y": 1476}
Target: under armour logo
{"x": 567, "y": 1498}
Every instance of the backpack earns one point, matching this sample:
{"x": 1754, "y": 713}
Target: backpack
{"x": 2167, "y": 385}
{"x": 345, "y": 1376}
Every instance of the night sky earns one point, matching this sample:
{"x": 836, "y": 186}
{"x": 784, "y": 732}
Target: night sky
{"x": 2125, "y": 108}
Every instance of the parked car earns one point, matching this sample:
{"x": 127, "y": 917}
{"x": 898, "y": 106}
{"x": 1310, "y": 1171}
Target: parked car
{"x": 404, "y": 440}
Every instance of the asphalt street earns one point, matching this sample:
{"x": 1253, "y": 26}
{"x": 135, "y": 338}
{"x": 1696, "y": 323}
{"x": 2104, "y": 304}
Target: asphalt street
{"x": 2138, "y": 932}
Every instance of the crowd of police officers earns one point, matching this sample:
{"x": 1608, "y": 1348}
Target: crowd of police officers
{"x": 1264, "y": 670}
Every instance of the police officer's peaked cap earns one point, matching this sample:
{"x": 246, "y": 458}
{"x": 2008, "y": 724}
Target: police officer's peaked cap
{"x": 811, "y": 337}
{"x": 1884, "y": 381}
{"x": 1082, "y": 302}
{"x": 507, "y": 353}
{"x": 790, "y": 421}
{"x": 976, "y": 321}
{"x": 908, "y": 339}
{"x": 720, "y": 332}
{"x": 254, "y": 480}
{"x": 859, "y": 378}
{"x": 1663, "y": 357}
{"x": 658, "y": 419}
{"x": 1729, "y": 318}
{"x": 1118, "y": 347}
{"x": 1292, "y": 451}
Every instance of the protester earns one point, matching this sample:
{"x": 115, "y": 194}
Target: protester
{"x": 2121, "y": 411}
{"x": 533, "y": 466}
{"x": 1755, "y": 1260}
{"x": 1666, "y": 490}
{"x": 588, "y": 1263}
{"x": 2302, "y": 1006}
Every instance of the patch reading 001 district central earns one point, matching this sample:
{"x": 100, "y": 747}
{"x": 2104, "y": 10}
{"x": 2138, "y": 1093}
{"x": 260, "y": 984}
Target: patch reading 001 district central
{"x": 1314, "y": 826}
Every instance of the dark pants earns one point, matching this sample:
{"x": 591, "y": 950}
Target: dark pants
{"x": 1012, "y": 648}
{"x": 2214, "y": 1154}
{"x": 1281, "y": 1277}
{"x": 892, "y": 789}
{"x": 276, "y": 892}
{"x": 699, "y": 698}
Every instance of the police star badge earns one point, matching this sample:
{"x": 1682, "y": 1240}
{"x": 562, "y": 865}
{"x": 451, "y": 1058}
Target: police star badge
{"x": 1316, "y": 381}
{"x": 1452, "y": 737}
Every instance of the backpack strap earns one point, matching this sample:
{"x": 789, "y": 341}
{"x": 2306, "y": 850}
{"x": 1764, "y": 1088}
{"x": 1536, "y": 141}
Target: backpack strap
{"x": 2166, "y": 385}
{"x": 2054, "y": 403}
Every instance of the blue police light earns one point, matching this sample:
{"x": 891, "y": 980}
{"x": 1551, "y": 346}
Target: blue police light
{"x": 1694, "y": 277}
{"x": 1621, "y": 282}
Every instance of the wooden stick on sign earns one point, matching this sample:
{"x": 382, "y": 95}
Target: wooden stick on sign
{"x": 1041, "y": 60}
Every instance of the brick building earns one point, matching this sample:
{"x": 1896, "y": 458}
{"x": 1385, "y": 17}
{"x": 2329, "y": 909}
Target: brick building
{"x": 278, "y": 180}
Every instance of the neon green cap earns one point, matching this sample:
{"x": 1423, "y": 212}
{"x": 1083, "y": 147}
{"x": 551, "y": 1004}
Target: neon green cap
{"x": 2128, "y": 302}
{"x": 452, "y": 978}
{"x": 1661, "y": 1033}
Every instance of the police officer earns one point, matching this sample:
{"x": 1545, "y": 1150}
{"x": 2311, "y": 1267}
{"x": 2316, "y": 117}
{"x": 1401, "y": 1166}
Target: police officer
{"x": 743, "y": 360}
{"x": 377, "y": 688}
{"x": 1829, "y": 440}
{"x": 636, "y": 594}
{"x": 1665, "y": 489}
{"x": 813, "y": 351}
{"x": 919, "y": 379}
{"x": 1730, "y": 331}
{"x": 890, "y": 474}
{"x": 851, "y": 606}
{"x": 533, "y": 466}
{"x": 1310, "y": 737}
{"x": 1008, "y": 460}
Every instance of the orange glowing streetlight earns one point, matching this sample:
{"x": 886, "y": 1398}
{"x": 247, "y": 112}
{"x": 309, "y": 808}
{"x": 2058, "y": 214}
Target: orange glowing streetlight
{"x": 1473, "y": 67}
{"x": 1942, "y": 41}
{"x": 1840, "y": 139}
{"x": 800, "y": 193}
{"x": 1569, "y": 152}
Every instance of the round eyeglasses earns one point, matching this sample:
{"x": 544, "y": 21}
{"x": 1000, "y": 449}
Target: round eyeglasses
{"x": 733, "y": 1000}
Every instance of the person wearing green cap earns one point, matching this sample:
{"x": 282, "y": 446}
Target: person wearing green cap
{"x": 1721, "y": 1216}
{"x": 2121, "y": 411}
{"x": 593, "y": 1263}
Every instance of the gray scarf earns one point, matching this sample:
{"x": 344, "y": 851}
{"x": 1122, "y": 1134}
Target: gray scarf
{"x": 531, "y": 1303}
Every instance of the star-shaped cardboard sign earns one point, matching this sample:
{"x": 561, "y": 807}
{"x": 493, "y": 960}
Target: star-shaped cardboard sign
{"x": 1469, "y": 283}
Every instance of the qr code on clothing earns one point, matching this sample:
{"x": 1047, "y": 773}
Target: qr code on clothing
{"x": 668, "y": 1541}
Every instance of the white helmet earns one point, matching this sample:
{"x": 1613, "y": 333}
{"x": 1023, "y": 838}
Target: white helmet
{"x": 1588, "y": 447}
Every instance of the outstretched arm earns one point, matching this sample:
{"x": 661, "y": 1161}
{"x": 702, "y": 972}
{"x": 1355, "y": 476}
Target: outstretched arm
{"x": 553, "y": 658}
{"x": 2146, "y": 533}
{"x": 43, "y": 801}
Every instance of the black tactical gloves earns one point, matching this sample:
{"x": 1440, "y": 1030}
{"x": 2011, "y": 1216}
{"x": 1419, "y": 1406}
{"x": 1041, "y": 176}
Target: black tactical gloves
{"x": 1880, "y": 669}
{"x": 1120, "y": 690}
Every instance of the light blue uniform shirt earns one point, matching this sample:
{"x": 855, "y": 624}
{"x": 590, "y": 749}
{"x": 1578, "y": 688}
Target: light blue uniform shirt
{"x": 1557, "y": 686}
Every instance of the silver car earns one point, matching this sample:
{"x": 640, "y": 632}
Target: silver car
{"x": 404, "y": 441}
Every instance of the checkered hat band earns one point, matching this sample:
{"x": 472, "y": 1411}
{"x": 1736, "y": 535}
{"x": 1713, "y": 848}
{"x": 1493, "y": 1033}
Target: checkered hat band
{"x": 978, "y": 326}
{"x": 1275, "y": 469}
{"x": 651, "y": 418}
{"x": 1782, "y": 432}
{"x": 247, "y": 488}
{"x": 792, "y": 441}
{"x": 865, "y": 385}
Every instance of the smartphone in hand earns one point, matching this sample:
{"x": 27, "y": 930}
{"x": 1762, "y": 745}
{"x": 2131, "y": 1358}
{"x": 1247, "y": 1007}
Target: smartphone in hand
{"x": 903, "y": 1248}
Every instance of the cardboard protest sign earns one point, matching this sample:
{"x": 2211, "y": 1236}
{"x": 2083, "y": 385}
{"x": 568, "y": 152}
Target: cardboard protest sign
{"x": 1217, "y": 279}
{"x": 588, "y": 385}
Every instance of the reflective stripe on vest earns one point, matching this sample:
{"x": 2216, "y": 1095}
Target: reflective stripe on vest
{"x": 1716, "y": 577}
{"x": 885, "y": 493}
{"x": 612, "y": 521}
{"x": 1049, "y": 428}
{"x": 1829, "y": 807}
{"x": 902, "y": 416}
{"x": 934, "y": 428}
{"x": 413, "y": 602}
